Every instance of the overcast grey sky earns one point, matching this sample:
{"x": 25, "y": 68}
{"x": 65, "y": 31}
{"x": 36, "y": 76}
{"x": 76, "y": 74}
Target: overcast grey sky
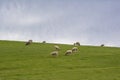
{"x": 91, "y": 22}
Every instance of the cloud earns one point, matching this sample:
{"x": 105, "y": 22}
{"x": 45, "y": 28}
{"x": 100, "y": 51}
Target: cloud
{"x": 15, "y": 14}
{"x": 90, "y": 22}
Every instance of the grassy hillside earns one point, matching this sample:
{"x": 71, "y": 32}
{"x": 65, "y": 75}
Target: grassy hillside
{"x": 33, "y": 62}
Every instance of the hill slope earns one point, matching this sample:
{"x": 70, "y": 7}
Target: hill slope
{"x": 33, "y": 62}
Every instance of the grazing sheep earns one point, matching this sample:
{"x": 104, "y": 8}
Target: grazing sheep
{"x": 74, "y": 49}
{"x": 57, "y": 47}
{"x": 68, "y": 52}
{"x": 102, "y": 45}
{"x": 29, "y": 42}
{"x": 54, "y": 53}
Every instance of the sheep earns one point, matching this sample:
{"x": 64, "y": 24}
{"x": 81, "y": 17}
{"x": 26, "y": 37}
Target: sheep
{"x": 44, "y": 42}
{"x": 68, "y": 52}
{"x": 74, "y": 49}
{"x": 57, "y": 47}
{"x": 28, "y": 43}
{"x": 77, "y": 44}
{"x": 54, "y": 53}
{"x": 102, "y": 45}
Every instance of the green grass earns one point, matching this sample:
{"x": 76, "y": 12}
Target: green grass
{"x": 33, "y": 62}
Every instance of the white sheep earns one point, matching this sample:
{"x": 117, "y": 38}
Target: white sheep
{"x": 74, "y": 49}
{"x": 68, "y": 52}
{"x": 54, "y": 53}
{"x": 57, "y": 47}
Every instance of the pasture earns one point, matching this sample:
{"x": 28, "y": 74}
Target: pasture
{"x": 34, "y": 62}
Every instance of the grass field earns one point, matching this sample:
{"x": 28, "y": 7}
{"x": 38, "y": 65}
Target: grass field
{"x": 33, "y": 62}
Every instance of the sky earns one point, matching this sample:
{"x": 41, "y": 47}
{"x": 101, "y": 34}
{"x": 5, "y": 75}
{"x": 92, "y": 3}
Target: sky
{"x": 90, "y": 22}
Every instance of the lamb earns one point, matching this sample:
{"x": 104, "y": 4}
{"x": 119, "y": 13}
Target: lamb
{"x": 57, "y": 47}
{"x": 54, "y": 53}
{"x": 74, "y": 49}
{"x": 68, "y": 52}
